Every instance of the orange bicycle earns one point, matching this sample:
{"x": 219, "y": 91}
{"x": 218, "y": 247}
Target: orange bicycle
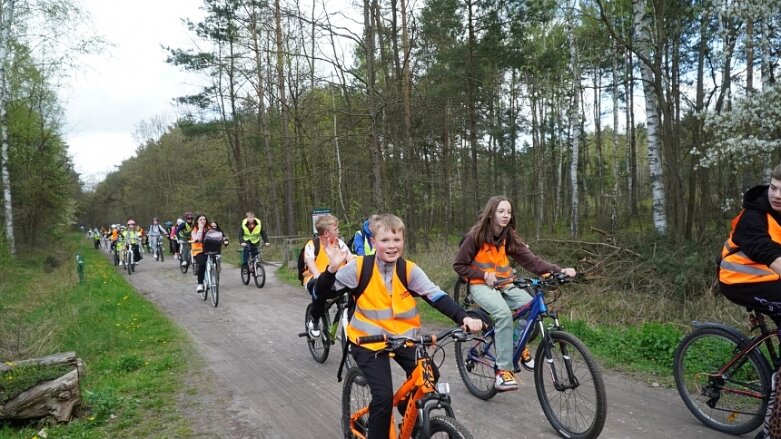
{"x": 416, "y": 398}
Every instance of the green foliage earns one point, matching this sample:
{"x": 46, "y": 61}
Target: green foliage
{"x": 21, "y": 378}
{"x": 130, "y": 350}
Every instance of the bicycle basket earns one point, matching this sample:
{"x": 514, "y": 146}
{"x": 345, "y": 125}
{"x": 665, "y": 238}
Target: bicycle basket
{"x": 212, "y": 241}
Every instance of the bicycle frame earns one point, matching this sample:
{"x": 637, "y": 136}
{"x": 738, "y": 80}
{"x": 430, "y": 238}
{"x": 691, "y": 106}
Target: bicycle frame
{"x": 738, "y": 360}
{"x": 534, "y": 312}
{"x": 341, "y": 321}
{"x": 421, "y": 394}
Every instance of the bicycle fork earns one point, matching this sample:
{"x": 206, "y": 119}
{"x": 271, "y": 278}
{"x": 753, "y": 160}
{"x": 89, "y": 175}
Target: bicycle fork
{"x": 548, "y": 349}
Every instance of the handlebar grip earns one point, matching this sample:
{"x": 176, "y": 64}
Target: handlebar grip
{"x": 371, "y": 339}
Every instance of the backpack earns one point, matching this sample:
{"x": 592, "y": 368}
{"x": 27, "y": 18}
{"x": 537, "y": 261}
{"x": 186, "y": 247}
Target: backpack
{"x": 351, "y": 242}
{"x": 367, "y": 269}
{"x": 302, "y": 262}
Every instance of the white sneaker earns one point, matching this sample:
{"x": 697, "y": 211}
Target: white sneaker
{"x": 184, "y": 263}
{"x": 314, "y": 332}
{"x": 199, "y": 288}
{"x": 155, "y": 257}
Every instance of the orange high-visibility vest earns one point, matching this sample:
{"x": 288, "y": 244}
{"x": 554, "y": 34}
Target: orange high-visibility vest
{"x": 736, "y": 268}
{"x": 493, "y": 259}
{"x": 378, "y": 311}
{"x": 196, "y": 248}
{"x": 321, "y": 262}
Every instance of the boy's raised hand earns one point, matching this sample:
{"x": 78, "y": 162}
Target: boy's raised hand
{"x": 336, "y": 256}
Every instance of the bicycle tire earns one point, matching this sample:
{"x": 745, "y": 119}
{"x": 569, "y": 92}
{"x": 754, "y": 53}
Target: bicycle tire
{"x": 260, "y": 275}
{"x": 319, "y": 347}
{"x": 449, "y": 426}
{"x": 459, "y": 290}
{"x": 245, "y": 274}
{"x": 215, "y": 283}
{"x": 116, "y": 258}
{"x": 207, "y": 282}
{"x": 185, "y": 266}
{"x": 355, "y": 395}
{"x": 568, "y": 410}
{"x": 129, "y": 262}
{"x": 698, "y": 358}
{"x": 160, "y": 253}
{"x": 476, "y": 361}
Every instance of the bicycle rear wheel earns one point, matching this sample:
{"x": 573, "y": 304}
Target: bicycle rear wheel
{"x": 447, "y": 427}
{"x": 732, "y": 400}
{"x": 319, "y": 347}
{"x": 215, "y": 283}
{"x": 476, "y": 361}
{"x": 578, "y": 408}
{"x": 260, "y": 275}
{"x": 355, "y": 396}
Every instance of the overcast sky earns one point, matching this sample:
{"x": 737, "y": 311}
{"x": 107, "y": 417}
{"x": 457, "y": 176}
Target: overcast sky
{"x": 128, "y": 83}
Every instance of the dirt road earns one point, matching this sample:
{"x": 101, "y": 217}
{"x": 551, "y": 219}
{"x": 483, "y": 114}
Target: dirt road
{"x": 258, "y": 380}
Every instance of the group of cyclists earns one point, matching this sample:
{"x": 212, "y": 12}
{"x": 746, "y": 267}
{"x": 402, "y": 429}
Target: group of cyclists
{"x": 186, "y": 239}
{"x": 749, "y": 275}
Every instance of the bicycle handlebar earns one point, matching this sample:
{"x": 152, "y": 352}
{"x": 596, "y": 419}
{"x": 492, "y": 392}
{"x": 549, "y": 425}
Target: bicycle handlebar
{"x": 396, "y": 341}
{"x": 546, "y": 279}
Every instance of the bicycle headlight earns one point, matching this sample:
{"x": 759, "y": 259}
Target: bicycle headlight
{"x": 443, "y": 388}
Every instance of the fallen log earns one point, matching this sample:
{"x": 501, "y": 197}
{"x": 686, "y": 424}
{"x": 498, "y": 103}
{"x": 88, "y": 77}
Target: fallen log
{"x": 56, "y": 398}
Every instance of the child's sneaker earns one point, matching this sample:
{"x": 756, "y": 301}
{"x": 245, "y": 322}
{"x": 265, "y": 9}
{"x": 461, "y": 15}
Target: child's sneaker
{"x": 313, "y": 330}
{"x": 505, "y": 380}
{"x": 527, "y": 359}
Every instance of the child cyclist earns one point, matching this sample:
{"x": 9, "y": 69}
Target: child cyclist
{"x": 316, "y": 260}
{"x": 483, "y": 260}
{"x": 386, "y": 306}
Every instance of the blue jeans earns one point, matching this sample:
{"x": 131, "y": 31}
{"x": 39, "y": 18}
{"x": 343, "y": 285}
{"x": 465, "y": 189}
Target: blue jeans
{"x": 500, "y": 303}
{"x": 250, "y": 248}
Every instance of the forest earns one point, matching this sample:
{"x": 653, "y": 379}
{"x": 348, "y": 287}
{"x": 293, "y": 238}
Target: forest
{"x": 596, "y": 117}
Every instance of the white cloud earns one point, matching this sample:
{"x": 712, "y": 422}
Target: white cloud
{"x": 129, "y": 82}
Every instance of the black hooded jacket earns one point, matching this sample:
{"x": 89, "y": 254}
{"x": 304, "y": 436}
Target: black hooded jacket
{"x": 751, "y": 232}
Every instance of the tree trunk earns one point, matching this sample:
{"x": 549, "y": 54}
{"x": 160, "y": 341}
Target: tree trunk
{"x": 6, "y": 19}
{"x": 290, "y": 223}
{"x": 642, "y": 32}
{"x": 379, "y": 203}
{"x": 574, "y": 127}
{"x": 57, "y": 398}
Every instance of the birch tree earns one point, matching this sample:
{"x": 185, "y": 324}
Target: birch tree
{"x": 642, "y": 29}
{"x": 6, "y": 20}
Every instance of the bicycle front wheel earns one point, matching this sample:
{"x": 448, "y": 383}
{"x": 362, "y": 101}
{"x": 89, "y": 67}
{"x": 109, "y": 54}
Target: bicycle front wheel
{"x": 733, "y": 399}
{"x": 215, "y": 283}
{"x": 129, "y": 261}
{"x": 446, "y": 427}
{"x": 260, "y": 275}
{"x": 570, "y": 386}
{"x": 476, "y": 360}
{"x": 319, "y": 346}
{"x": 356, "y": 396}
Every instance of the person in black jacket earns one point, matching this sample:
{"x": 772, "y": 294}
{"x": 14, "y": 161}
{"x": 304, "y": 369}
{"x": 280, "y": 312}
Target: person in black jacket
{"x": 750, "y": 270}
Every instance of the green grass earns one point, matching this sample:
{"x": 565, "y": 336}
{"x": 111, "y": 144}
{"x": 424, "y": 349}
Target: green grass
{"x": 135, "y": 358}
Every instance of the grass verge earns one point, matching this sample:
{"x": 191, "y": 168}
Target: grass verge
{"x": 135, "y": 358}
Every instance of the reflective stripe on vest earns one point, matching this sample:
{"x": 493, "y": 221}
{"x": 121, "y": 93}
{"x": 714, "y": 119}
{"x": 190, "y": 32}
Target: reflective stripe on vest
{"x": 254, "y": 235}
{"x": 737, "y": 268}
{"x": 379, "y": 312}
{"x": 493, "y": 259}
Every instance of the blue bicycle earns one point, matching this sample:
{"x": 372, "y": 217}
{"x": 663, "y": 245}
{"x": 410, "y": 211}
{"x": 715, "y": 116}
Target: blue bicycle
{"x": 568, "y": 381}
